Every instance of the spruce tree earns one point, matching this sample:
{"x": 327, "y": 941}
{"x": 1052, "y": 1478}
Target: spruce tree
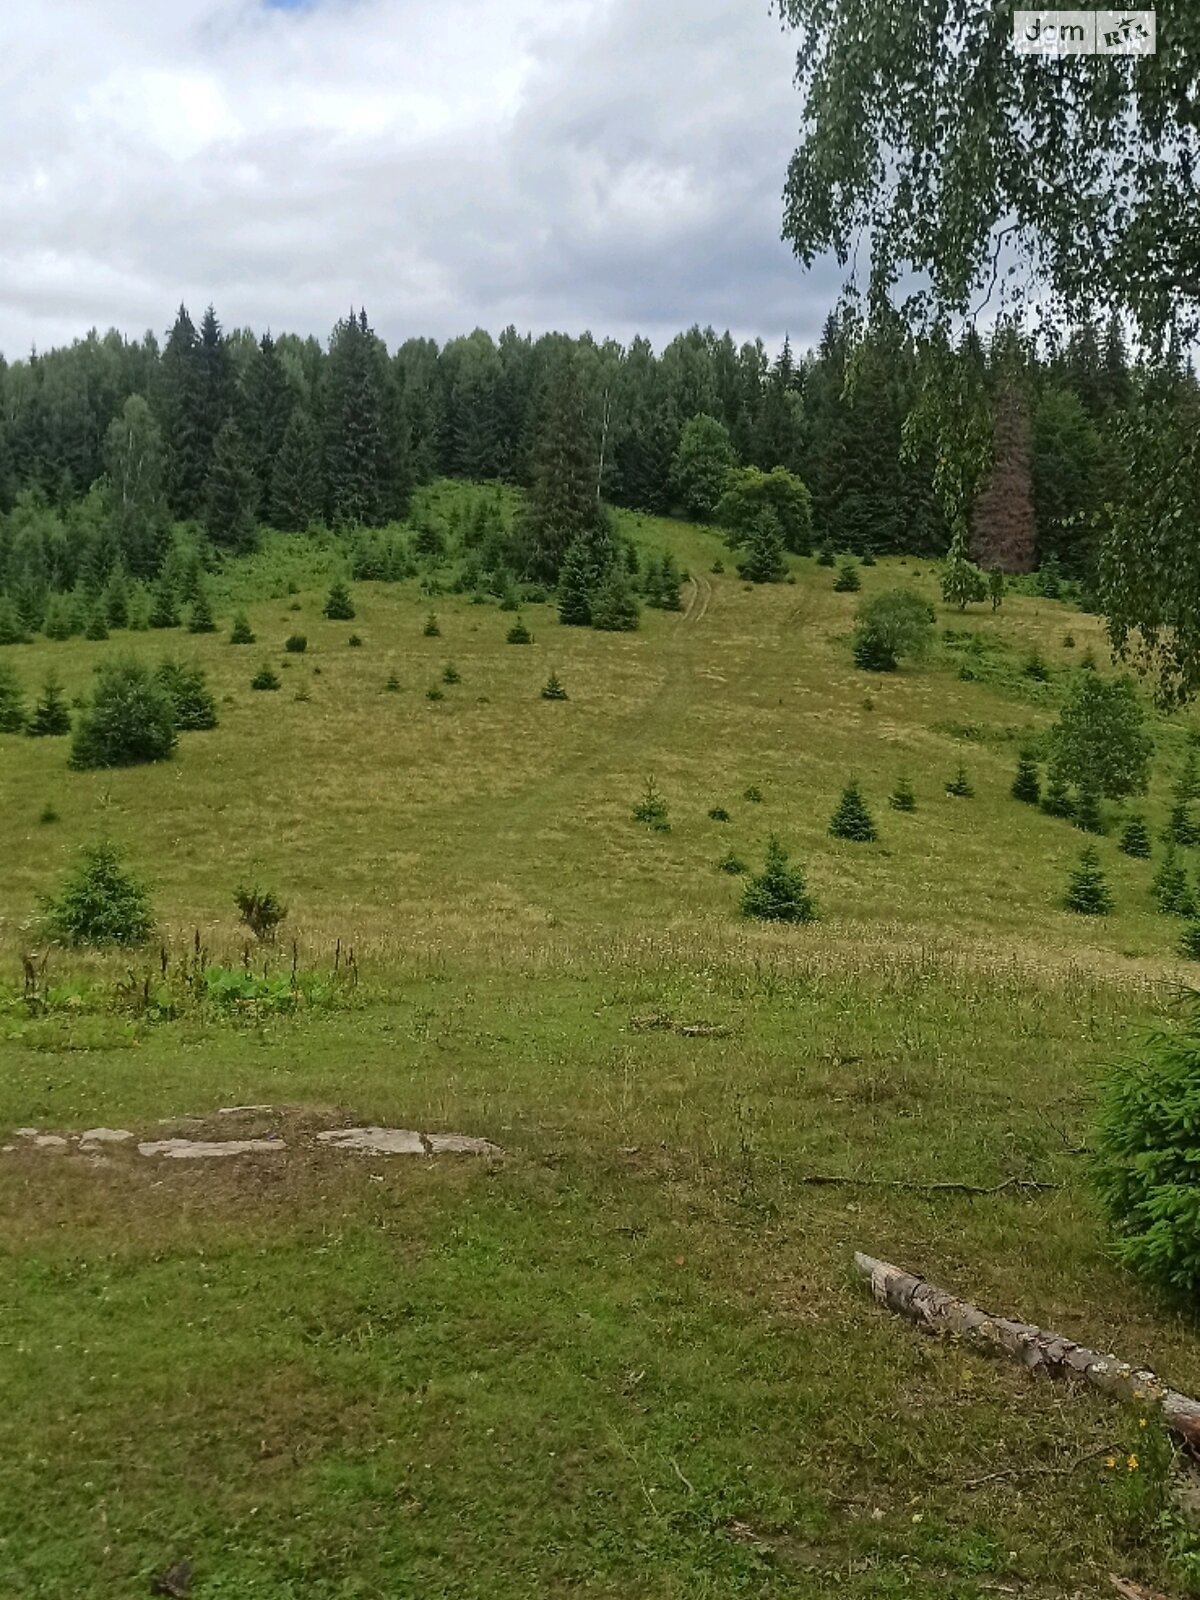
{"x": 432, "y": 628}
{"x": 97, "y": 623}
{"x": 12, "y": 629}
{"x": 667, "y": 596}
{"x": 200, "y": 617}
{"x": 996, "y": 587}
{"x": 12, "y": 701}
{"x": 231, "y": 503}
{"x": 1135, "y": 839}
{"x": 852, "y": 820}
{"x": 129, "y": 720}
{"x": 1170, "y": 888}
{"x": 1087, "y": 889}
{"x": 50, "y": 716}
{"x": 116, "y": 600}
{"x": 1088, "y": 816}
{"x": 575, "y": 581}
{"x": 825, "y": 555}
{"x": 1189, "y": 940}
{"x": 519, "y": 633}
{"x": 164, "y": 610}
{"x": 902, "y": 797}
{"x": 179, "y": 406}
{"x": 1181, "y": 827}
{"x": 1027, "y": 784}
{"x": 960, "y": 785}
{"x": 1057, "y": 802}
{"x": 847, "y": 580}
{"x": 552, "y": 689}
{"x": 563, "y": 503}
{"x": 242, "y": 632}
{"x": 359, "y": 442}
{"x": 296, "y": 478}
{"x": 762, "y": 559}
{"x": 266, "y": 678}
{"x": 58, "y": 624}
{"x": 339, "y": 607}
{"x": 778, "y": 893}
{"x": 614, "y": 605}
{"x": 267, "y": 408}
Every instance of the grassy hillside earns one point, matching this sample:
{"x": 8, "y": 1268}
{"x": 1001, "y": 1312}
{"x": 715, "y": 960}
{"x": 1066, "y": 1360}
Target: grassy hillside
{"x": 627, "y": 1357}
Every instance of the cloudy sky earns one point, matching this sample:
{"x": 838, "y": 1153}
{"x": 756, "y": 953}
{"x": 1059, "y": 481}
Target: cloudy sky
{"x": 604, "y": 164}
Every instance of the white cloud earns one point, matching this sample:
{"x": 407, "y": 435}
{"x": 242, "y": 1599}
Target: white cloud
{"x": 612, "y": 164}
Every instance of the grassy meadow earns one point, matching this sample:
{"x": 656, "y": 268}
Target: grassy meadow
{"x": 627, "y": 1357}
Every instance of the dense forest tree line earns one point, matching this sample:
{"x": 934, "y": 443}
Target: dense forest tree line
{"x": 108, "y": 442}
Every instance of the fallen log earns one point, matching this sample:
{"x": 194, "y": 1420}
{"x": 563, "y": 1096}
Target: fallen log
{"x": 1048, "y": 1353}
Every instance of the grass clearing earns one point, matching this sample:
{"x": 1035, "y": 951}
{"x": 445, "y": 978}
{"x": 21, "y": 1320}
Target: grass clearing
{"x": 628, "y": 1358}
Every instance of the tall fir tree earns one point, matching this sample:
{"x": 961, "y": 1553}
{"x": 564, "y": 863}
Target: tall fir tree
{"x": 179, "y": 405}
{"x": 229, "y": 513}
{"x": 267, "y": 403}
{"x": 563, "y": 504}
{"x": 135, "y": 464}
{"x": 297, "y": 493}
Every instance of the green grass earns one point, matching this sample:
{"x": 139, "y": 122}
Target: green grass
{"x": 629, "y": 1357}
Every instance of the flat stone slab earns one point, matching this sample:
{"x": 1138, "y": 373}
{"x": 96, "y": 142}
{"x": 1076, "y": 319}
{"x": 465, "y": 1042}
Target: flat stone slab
{"x": 204, "y": 1150}
{"x": 95, "y": 1136}
{"x": 375, "y": 1141}
{"x": 461, "y": 1144}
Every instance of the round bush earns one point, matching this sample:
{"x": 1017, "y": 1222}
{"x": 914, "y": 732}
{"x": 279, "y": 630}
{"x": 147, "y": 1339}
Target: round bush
{"x": 1147, "y": 1163}
{"x": 131, "y": 719}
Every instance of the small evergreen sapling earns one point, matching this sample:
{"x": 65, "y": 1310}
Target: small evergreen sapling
{"x": 778, "y": 893}
{"x": 100, "y": 903}
{"x": 1088, "y": 816}
{"x": 242, "y": 632}
{"x": 852, "y": 820}
{"x": 339, "y": 607}
{"x": 355, "y": 642}
{"x": 995, "y": 581}
{"x": 1036, "y": 667}
{"x": 652, "y": 809}
{"x": 753, "y": 793}
{"x": 195, "y": 708}
{"x": 732, "y": 864}
{"x": 1057, "y": 802}
{"x": 164, "y": 610}
{"x": 265, "y": 678}
{"x": 718, "y": 814}
{"x": 519, "y": 633}
{"x": 12, "y": 702}
{"x": 960, "y": 785}
{"x": 295, "y": 644}
{"x": 1087, "y": 889}
{"x": 200, "y": 617}
{"x": 1027, "y": 784}
{"x": 552, "y": 689}
{"x": 97, "y": 624}
{"x": 12, "y": 628}
{"x": 393, "y": 684}
{"x": 614, "y": 604}
{"x": 825, "y": 556}
{"x": 902, "y": 797}
{"x": 451, "y": 674}
{"x": 432, "y": 628}
{"x": 847, "y": 580}
{"x": 51, "y": 717}
{"x": 1170, "y": 888}
{"x": 1135, "y": 839}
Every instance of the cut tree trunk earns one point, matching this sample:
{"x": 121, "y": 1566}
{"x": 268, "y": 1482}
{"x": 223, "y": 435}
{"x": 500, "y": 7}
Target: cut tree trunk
{"x": 932, "y": 1308}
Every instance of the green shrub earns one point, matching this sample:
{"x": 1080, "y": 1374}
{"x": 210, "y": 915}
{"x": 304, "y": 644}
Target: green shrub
{"x": 434, "y": 692}
{"x": 1057, "y": 802}
{"x": 553, "y": 689}
{"x": 718, "y": 814}
{"x": 195, "y": 708}
{"x": 393, "y": 684}
{"x": 1135, "y": 839}
{"x": 519, "y": 633}
{"x": 338, "y": 605}
{"x": 652, "y": 809}
{"x": 261, "y": 910}
{"x": 51, "y": 716}
{"x": 48, "y": 815}
{"x": 1147, "y": 1162}
{"x": 734, "y": 865}
{"x": 1087, "y": 889}
{"x": 451, "y": 674}
{"x": 1088, "y": 816}
{"x": 295, "y": 644}
{"x": 100, "y": 903}
{"x": 242, "y": 632}
{"x": 890, "y": 626}
{"x": 1036, "y": 668}
{"x": 265, "y": 678}
{"x": 754, "y": 794}
{"x": 852, "y": 820}
{"x": 12, "y": 628}
{"x": 200, "y": 617}
{"x": 355, "y": 641}
{"x": 130, "y": 719}
{"x": 12, "y": 701}
{"x": 778, "y": 893}
{"x": 96, "y": 628}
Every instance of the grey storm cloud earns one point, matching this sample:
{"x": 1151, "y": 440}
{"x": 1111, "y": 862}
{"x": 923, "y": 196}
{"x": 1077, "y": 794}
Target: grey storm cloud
{"x": 605, "y": 164}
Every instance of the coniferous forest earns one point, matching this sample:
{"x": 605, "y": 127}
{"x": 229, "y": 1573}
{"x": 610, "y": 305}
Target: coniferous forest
{"x": 108, "y": 442}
